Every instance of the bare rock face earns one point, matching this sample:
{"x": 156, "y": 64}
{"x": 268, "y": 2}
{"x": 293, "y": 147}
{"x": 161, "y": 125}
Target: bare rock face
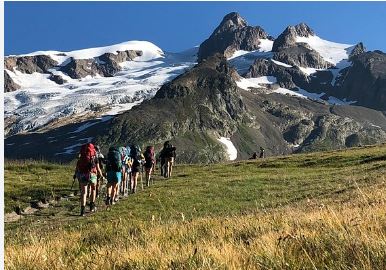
{"x": 30, "y": 64}
{"x": 301, "y": 55}
{"x": 288, "y": 78}
{"x": 231, "y": 35}
{"x": 105, "y": 65}
{"x": 365, "y": 80}
{"x": 9, "y": 84}
{"x": 58, "y": 79}
{"x": 358, "y": 49}
{"x": 80, "y": 68}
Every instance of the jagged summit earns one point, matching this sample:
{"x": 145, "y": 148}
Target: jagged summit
{"x": 230, "y": 22}
{"x": 289, "y": 35}
{"x": 231, "y": 35}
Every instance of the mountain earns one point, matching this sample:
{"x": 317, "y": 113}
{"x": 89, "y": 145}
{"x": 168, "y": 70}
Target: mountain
{"x": 241, "y": 89}
{"x": 234, "y": 34}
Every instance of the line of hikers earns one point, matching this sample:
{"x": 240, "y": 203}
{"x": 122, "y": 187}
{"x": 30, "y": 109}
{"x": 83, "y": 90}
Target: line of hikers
{"x": 121, "y": 167}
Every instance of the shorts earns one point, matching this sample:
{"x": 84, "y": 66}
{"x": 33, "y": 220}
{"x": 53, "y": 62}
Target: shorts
{"x": 148, "y": 164}
{"x": 87, "y": 178}
{"x": 114, "y": 177}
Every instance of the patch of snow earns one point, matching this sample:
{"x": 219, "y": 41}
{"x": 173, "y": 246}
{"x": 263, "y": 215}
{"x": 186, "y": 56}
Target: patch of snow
{"x": 231, "y": 149}
{"x": 265, "y": 45}
{"x": 309, "y": 71}
{"x": 69, "y": 150}
{"x": 246, "y": 83}
{"x": 330, "y": 51}
{"x": 280, "y": 63}
{"x": 336, "y": 101}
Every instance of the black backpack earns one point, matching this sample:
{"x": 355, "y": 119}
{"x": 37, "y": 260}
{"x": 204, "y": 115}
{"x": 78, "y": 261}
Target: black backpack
{"x": 135, "y": 153}
{"x": 114, "y": 161}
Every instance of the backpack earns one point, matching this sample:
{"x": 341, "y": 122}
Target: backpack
{"x": 114, "y": 160}
{"x": 149, "y": 154}
{"x": 87, "y": 162}
{"x": 135, "y": 152}
{"x": 170, "y": 152}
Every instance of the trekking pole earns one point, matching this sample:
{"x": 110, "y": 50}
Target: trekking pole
{"x": 73, "y": 182}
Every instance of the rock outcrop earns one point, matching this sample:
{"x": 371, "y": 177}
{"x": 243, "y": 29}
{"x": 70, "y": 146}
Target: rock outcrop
{"x": 105, "y": 65}
{"x": 231, "y": 35}
{"x": 365, "y": 80}
{"x": 9, "y": 84}
{"x": 30, "y": 64}
{"x": 288, "y": 37}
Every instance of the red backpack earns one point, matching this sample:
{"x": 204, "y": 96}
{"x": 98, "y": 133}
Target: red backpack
{"x": 88, "y": 160}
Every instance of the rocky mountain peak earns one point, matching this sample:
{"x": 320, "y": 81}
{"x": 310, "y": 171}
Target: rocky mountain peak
{"x": 231, "y": 35}
{"x": 288, "y": 37}
{"x": 230, "y": 22}
{"x": 303, "y": 30}
{"x": 358, "y": 49}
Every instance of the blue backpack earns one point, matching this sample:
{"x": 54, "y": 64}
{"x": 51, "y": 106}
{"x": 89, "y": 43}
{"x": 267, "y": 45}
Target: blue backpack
{"x": 114, "y": 161}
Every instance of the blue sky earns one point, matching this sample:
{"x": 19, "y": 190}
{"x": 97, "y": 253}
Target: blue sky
{"x": 175, "y": 26}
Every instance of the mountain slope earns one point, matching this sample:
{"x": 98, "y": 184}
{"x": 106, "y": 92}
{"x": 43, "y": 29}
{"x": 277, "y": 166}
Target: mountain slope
{"x": 291, "y": 94}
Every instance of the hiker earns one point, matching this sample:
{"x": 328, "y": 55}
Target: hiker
{"x": 114, "y": 174}
{"x": 169, "y": 155}
{"x": 124, "y": 159}
{"x": 254, "y": 155}
{"x": 101, "y": 162}
{"x": 136, "y": 167}
{"x": 149, "y": 163}
{"x": 262, "y": 154}
{"x": 162, "y": 162}
{"x": 87, "y": 170}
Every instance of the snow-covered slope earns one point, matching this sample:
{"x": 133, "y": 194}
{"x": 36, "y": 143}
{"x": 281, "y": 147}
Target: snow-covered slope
{"x": 330, "y": 51}
{"x": 41, "y": 101}
{"x": 150, "y": 51}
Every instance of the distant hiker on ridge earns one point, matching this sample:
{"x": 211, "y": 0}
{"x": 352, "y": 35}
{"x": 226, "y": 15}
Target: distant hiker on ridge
{"x": 254, "y": 155}
{"x": 262, "y": 152}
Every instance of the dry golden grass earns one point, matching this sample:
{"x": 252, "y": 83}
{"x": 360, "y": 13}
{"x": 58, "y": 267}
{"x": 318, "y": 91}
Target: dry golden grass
{"x": 346, "y": 231}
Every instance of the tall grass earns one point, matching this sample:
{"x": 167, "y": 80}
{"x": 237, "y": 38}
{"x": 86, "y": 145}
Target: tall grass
{"x": 313, "y": 211}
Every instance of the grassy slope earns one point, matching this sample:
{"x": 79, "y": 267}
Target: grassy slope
{"x": 301, "y": 211}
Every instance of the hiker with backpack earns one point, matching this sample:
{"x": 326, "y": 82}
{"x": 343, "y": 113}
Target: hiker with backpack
{"x": 168, "y": 153}
{"x": 113, "y": 173}
{"x": 124, "y": 159}
{"x": 149, "y": 163}
{"x": 87, "y": 170}
{"x": 136, "y": 167}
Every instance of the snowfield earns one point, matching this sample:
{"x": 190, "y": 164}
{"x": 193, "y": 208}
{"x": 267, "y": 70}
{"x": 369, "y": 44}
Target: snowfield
{"x": 260, "y": 82}
{"x": 231, "y": 149}
{"x": 41, "y": 101}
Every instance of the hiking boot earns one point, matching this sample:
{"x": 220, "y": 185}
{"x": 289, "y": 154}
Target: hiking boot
{"x": 107, "y": 201}
{"x": 92, "y": 207}
{"x": 82, "y": 210}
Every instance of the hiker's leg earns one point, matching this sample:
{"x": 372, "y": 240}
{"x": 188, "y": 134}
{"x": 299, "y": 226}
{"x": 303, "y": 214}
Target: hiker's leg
{"x": 83, "y": 194}
{"x": 93, "y": 192}
{"x": 171, "y": 167}
{"x": 168, "y": 168}
{"x": 147, "y": 174}
{"x": 134, "y": 182}
{"x": 113, "y": 191}
{"x": 83, "y": 197}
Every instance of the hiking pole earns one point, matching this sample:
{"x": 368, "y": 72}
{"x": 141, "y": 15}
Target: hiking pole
{"x": 73, "y": 182}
